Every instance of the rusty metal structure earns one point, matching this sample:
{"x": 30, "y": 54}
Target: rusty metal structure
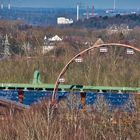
{"x": 129, "y": 49}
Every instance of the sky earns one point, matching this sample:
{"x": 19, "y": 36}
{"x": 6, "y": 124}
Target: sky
{"x": 121, "y": 4}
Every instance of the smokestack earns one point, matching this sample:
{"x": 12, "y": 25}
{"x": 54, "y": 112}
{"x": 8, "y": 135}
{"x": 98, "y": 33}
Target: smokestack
{"x": 9, "y": 5}
{"x": 1, "y": 6}
{"x": 77, "y": 12}
{"x": 87, "y": 12}
{"x": 114, "y": 5}
{"x": 93, "y": 11}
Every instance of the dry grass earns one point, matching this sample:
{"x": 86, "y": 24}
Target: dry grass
{"x": 112, "y": 69}
{"x": 44, "y": 123}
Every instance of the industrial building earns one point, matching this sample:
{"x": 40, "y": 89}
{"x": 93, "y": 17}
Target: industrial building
{"x": 63, "y": 20}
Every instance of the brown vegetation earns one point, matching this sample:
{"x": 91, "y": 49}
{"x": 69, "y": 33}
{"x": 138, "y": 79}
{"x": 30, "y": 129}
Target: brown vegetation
{"x": 112, "y": 69}
{"x": 44, "y": 123}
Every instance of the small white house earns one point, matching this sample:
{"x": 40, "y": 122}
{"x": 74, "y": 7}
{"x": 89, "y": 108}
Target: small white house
{"x": 55, "y": 38}
{"x": 50, "y": 43}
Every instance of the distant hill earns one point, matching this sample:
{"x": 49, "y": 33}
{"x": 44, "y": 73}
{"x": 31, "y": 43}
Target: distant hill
{"x": 102, "y": 22}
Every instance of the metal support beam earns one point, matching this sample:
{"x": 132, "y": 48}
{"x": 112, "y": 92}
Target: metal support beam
{"x": 83, "y": 101}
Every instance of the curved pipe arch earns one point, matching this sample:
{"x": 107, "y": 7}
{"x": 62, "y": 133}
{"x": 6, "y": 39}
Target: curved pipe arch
{"x": 81, "y": 53}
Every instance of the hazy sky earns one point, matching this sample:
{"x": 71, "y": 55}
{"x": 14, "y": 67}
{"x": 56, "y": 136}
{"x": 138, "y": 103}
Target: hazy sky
{"x": 72, "y": 3}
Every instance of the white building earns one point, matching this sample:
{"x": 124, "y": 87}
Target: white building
{"x": 55, "y": 38}
{"x": 119, "y": 29}
{"x": 63, "y": 20}
{"x": 50, "y": 43}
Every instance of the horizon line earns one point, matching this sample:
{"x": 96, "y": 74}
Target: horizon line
{"x": 70, "y": 8}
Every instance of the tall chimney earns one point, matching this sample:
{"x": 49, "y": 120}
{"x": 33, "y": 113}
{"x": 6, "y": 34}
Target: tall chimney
{"x": 93, "y": 11}
{"x": 9, "y": 5}
{"x": 1, "y": 5}
{"x": 77, "y": 12}
{"x": 87, "y": 12}
{"x": 114, "y": 5}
